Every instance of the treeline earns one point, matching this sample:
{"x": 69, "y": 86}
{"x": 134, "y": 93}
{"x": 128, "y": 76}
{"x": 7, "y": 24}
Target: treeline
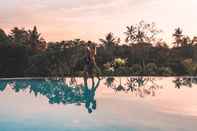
{"x": 24, "y": 53}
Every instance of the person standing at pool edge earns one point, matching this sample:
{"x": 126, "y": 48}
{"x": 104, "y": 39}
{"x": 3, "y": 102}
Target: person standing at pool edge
{"x": 90, "y": 62}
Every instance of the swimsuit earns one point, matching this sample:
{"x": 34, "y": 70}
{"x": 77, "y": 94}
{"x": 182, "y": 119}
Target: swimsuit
{"x": 88, "y": 65}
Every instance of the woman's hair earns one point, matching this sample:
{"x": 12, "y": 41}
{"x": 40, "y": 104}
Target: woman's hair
{"x": 93, "y": 50}
{"x": 91, "y": 47}
{"x": 89, "y": 43}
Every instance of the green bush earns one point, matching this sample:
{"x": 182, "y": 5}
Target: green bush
{"x": 189, "y": 66}
{"x": 108, "y": 72}
{"x": 151, "y": 69}
{"x": 119, "y": 62}
{"x": 136, "y": 69}
{"x": 122, "y": 71}
{"x": 165, "y": 71}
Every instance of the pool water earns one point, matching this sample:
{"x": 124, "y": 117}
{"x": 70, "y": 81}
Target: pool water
{"x": 110, "y": 104}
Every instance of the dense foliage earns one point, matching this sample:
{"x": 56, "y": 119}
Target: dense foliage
{"x": 24, "y": 53}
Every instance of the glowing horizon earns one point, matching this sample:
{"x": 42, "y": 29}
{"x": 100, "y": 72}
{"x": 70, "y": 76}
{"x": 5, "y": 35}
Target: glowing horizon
{"x": 92, "y": 19}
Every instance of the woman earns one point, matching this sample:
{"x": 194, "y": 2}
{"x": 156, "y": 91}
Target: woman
{"x": 90, "y": 62}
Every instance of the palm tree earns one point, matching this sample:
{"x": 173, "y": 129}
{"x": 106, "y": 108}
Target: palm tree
{"x": 109, "y": 43}
{"x": 35, "y": 39}
{"x": 130, "y": 34}
{"x": 178, "y": 34}
{"x": 141, "y": 33}
{"x": 140, "y": 36}
{"x": 109, "y": 40}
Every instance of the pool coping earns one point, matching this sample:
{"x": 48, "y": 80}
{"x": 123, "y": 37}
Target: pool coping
{"x": 36, "y": 78}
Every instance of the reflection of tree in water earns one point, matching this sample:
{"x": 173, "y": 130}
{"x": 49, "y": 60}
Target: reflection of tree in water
{"x": 57, "y": 91}
{"x": 137, "y": 85}
{"x": 3, "y": 84}
{"x": 143, "y": 86}
{"x": 184, "y": 81}
{"x": 109, "y": 82}
{"x": 60, "y": 91}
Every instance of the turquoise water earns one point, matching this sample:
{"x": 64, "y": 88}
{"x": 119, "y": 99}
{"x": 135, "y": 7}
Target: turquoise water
{"x": 111, "y": 104}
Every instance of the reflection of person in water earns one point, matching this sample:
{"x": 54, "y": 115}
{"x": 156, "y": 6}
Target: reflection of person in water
{"x": 89, "y": 96}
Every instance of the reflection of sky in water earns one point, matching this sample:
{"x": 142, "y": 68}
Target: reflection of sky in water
{"x": 169, "y": 110}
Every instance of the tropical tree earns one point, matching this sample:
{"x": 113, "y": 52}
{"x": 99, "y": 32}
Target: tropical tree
{"x": 110, "y": 41}
{"x": 36, "y": 41}
{"x": 78, "y": 42}
{"x": 161, "y": 44}
{"x": 19, "y": 36}
{"x": 108, "y": 47}
{"x": 178, "y": 35}
{"x": 3, "y": 37}
{"x": 130, "y": 34}
{"x": 141, "y": 33}
{"x": 194, "y": 40}
{"x": 186, "y": 41}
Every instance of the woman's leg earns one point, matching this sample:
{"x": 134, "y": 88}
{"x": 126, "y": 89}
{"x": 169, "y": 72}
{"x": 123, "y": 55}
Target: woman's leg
{"x": 85, "y": 75}
{"x": 98, "y": 71}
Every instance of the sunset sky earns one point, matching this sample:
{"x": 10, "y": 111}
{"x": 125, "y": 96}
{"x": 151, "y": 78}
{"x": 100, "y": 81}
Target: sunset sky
{"x": 92, "y": 19}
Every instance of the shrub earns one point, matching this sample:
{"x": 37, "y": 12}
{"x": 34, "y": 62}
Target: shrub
{"x": 136, "y": 69}
{"x": 166, "y": 71}
{"x": 108, "y": 72}
{"x": 189, "y": 66}
{"x": 151, "y": 69}
{"x": 119, "y": 62}
{"x": 122, "y": 71}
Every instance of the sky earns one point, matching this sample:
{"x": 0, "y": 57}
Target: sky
{"x": 93, "y": 19}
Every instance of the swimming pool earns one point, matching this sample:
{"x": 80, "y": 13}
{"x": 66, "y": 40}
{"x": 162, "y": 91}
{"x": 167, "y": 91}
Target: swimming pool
{"x": 110, "y": 104}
